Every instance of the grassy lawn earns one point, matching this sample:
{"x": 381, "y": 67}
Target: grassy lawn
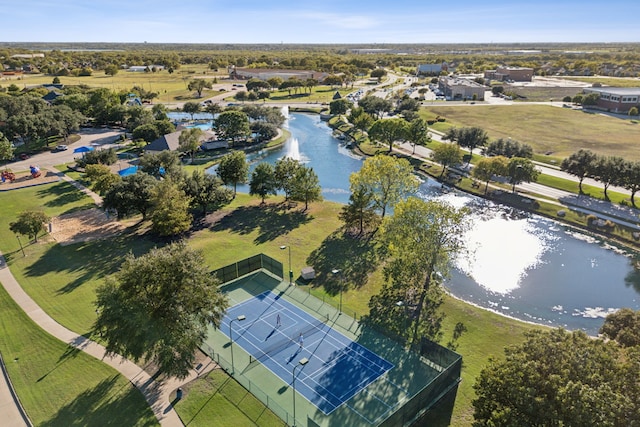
{"x": 218, "y": 400}
{"x": 607, "y": 81}
{"x": 60, "y": 386}
{"x": 63, "y": 278}
{"x": 552, "y": 130}
{"x": 170, "y": 87}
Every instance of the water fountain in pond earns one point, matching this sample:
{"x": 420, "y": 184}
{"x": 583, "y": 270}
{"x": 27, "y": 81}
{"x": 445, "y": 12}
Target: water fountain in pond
{"x": 293, "y": 149}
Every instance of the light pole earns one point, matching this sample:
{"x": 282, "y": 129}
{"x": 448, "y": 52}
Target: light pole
{"x": 336, "y": 272}
{"x": 283, "y": 247}
{"x": 21, "y": 248}
{"x": 301, "y": 362}
{"x": 240, "y": 319}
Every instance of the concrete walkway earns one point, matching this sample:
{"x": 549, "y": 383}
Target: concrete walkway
{"x": 158, "y": 394}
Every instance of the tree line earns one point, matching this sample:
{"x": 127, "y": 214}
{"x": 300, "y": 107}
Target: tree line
{"x": 608, "y": 170}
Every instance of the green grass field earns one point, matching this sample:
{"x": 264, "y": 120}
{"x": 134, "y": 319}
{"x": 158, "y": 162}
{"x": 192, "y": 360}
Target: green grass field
{"x": 61, "y": 386}
{"x": 552, "y": 130}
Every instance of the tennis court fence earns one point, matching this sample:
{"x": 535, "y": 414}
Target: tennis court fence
{"x": 249, "y": 265}
{"x": 249, "y": 385}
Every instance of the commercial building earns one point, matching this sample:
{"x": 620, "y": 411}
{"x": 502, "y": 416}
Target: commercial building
{"x": 455, "y": 88}
{"x": 616, "y": 99}
{"x": 431, "y": 69}
{"x": 516, "y": 74}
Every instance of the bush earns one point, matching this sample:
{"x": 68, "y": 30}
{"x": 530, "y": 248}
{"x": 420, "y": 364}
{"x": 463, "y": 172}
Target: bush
{"x": 104, "y": 157}
{"x": 591, "y": 218}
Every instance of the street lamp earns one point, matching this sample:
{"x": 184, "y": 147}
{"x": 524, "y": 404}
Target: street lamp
{"x": 283, "y": 247}
{"x": 301, "y": 362}
{"x": 336, "y": 272}
{"x": 240, "y": 319}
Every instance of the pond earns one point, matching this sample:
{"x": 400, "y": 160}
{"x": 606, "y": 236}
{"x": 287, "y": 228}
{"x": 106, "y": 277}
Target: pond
{"x": 520, "y": 265}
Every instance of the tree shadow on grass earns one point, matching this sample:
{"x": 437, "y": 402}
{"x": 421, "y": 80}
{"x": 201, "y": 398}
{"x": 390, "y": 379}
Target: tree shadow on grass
{"x": 356, "y": 259}
{"x": 65, "y": 194}
{"x": 91, "y": 260}
{"x": 271, "y": 221}
{"x": 106, "y": 404}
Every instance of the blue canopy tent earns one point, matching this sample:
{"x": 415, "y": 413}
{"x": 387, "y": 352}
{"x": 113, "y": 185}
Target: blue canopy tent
{"x": 83, "y": 149}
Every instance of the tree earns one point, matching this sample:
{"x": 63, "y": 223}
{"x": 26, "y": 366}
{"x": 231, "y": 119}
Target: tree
{"x": 285, "y": 172}
{"x": 470, "y": 138}
{"x": 101, "y": 177}
{"x": 191, "y": 108}
{"x": 360, "y": 212}
{"x": 362, "y": 121}
{"x": 233, "y": 169}
{"x": 378, "y": 73}
{"x": 606, "y": 169}
{"x": 169, "y": 209}
{"x": 206, "y": 191}
{"x": 631, "y": 179}
{"x": 486, "y": 168}
{"x": 508, "y": 147}
{"x": 263, "y": 131}
{"x": 263, "y": 181}
{"x": 559, "y": 378}
{"x": 274, "y": 82}
{"x": 232, "y": 125}
{"x": 199, "y": 85}
{"x": 418, "y": 133}
{"x": 306, "y": 186}
{"x": 241, "y": 96}
{"x": 424, "y": 238}
{"x": 623, "y": 326}
{"x": 30, "y": 224}
{"x": 446, "y": 155}
{"x": 111, "y": 70}
{"x": 148, "y": 132}
{"x": 158, "y": 307}
{"x": 388, "y": 131}
{"x": 165, "y": 163}
{"x": 591, "y": 99}
{"x": 189, "y": 141}
{"x": 375, "y": 106}
{"x": 257, "y": 85}
{"x": 579, "y": 164}
{"x": 497, "y": 90}
{"x": 6, "y": 149}
{"x": 131, "y": 195}
{"x": 521, "y": 170}
{"x": 388, "y": 179}
{"x": 340, "y": 106}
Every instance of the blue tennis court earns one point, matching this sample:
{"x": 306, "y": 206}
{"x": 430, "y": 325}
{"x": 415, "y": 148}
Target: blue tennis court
{"x": 337, "y": 369}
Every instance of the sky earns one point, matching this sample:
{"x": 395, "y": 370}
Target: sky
{"x": 326, "y": 21}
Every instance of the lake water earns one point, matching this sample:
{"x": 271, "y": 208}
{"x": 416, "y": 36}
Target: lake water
{"x": 519, "y": 265}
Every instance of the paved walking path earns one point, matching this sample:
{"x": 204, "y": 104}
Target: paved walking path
{"x": 157, "y": 394}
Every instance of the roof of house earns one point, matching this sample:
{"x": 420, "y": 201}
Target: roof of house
{"x": 615, "y": 90}
{"x": 171, "y": 141}
{"x": 52, "y": 96}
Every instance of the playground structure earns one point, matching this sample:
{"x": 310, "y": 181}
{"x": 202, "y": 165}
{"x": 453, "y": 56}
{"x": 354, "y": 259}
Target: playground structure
{"x": 133, "y": 100}
{"x": 7, "y": 175}
{"x": 35, "y": 171}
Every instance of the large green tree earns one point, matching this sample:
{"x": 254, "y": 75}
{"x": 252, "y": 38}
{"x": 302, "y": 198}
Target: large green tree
{"x": 623, "y": 326}
{"x": 424, "y": 238}
{"x": 29, "y": 223}
{"x": 609, "y": 171}
{"x": 447, "y": 155}
{"x": 169, "y": 209}
{"x": 631, "y": 179}
{"x": 131, "y": 195}
{"x": 359, "y": 213}
{"x": 418, "y": 133}
{"x": 263, "y": 181}
{"x": 158, "y": 308}
{"x": 560, "y": 378}
{"x": 579, "y": 164}
{"x": 387, "y": 178}
{"x": 389, "y": 131}
{"x": 233, "y": 169}
{"x": 206, "y": 191}
{"x": 285, "y": 172}
{"x": 101, "y": 177}
{"x": 189, "y": 141}
{"x": 306, "y": 186}
{"x": 199, "y": 85}
{"x": 6, "y": 149}
{"x": 487, "y": 167}
{"x": 191, "y": 108}
{"x": 521, "y": 170}
{"x": 232, "y": 125}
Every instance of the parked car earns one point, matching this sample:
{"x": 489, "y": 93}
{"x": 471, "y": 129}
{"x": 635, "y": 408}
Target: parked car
{"x": 24, "y": 156}
{"x": 62, "y": 147}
